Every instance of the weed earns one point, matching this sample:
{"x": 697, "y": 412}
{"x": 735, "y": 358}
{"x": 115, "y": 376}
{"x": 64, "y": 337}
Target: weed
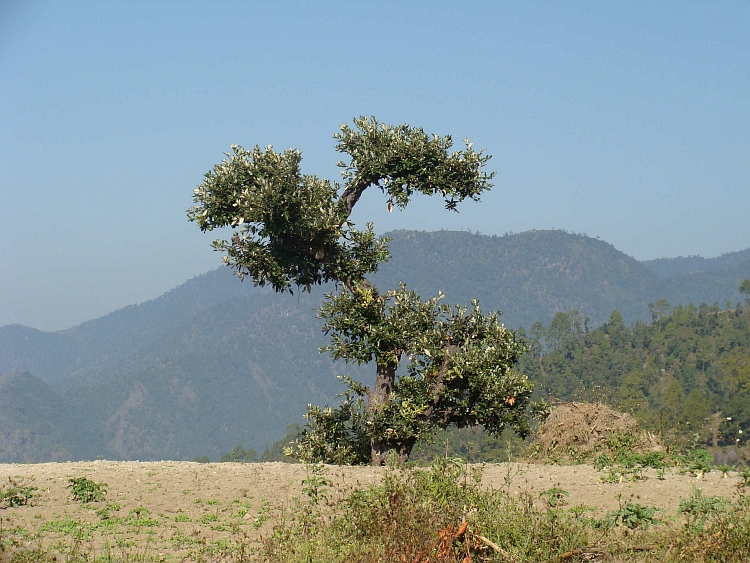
{"x": 694, "y": 461}
{"x": 440, "y": 514}
{"x": 744, "y": 476}
{"x": 315, "y": 485}
{"x": 139, "y": 517}
{"x": 555, "y": 497}
{"x": 69, "y": 527}
{"x": 723, "y": 534}
{"x": 624, "y": 465}
{"x": 264, "y": 515}
{"x": 698, "y": 509}
{"x": 633, "y": 515}
{"x": 85, "y": 490}
{"x": 725, "y": 469}
{"x": 17, "y": 493}
{"x": 105, "y": 513}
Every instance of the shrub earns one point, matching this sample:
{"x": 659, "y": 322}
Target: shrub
{"x": 85, "y": 490}
{"x": 16, "y": 493}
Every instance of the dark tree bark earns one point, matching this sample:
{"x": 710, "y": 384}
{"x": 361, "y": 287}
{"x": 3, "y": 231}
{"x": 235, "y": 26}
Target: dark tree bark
{"x": 380, "y": 395}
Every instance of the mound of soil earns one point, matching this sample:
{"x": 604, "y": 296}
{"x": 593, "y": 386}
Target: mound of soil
{"x": 578, "y": 432}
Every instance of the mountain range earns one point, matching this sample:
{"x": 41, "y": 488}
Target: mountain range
{"x": 216, "y": 362}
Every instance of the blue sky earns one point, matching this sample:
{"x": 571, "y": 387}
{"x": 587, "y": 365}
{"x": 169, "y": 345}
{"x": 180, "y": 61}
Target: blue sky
{"x": 624, "y": 120}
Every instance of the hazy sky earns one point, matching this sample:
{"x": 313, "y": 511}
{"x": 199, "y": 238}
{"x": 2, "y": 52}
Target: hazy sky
{"x": 624, "y": 120}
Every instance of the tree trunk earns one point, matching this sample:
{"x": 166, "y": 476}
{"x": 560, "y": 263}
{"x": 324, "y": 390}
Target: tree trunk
{"x": 380, "y": 395}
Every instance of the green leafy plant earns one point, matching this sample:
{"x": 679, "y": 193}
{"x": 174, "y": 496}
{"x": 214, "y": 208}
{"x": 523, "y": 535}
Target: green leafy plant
{"x": 315, "y": 485}
{"x": 744, "y": 476}
{"x": 695, "y": 461}
{"x": 555, "y": 497}
{"x": 83, "y": 489}
{"x": 697, "y": 508}
{"x": 139, "y": 516}
{"x": 105, "y": 513}
{"x": 626, "y": 465}
{"x": 725, "y": 469}
{"x": 633, "y": 515}
{"x": 17, "y": 493}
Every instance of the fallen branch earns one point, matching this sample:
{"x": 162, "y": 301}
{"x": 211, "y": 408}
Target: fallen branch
{"x": 584, "y": 551}
{"x": 497, "y": 548}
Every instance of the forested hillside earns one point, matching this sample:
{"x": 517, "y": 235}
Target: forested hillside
{"x": 216, "y": 362}
{"x": 670, "y": 267}
{"x": 531, "y": 276}
{"x": 685, "y": 374}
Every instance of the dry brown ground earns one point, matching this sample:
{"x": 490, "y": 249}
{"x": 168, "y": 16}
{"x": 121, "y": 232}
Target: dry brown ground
{"x": 195, "y": 506}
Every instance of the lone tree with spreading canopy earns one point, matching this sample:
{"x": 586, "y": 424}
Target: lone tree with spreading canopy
{"x": 293, "y": 231}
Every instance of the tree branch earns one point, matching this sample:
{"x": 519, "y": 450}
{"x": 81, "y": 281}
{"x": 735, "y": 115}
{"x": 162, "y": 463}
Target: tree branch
{"x": 352, "y": 194}
{"x": 439, "y": 385}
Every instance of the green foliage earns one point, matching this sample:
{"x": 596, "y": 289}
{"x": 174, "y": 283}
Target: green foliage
{"x": 239, "y": 455}
{"x": 333, "y": 435}
{"x": 294, "y": 229}
{"x": 745, "y": 289}
{"x": 139, "y": 517}
{"x": 555, "y": 497}
{"x": 698, "y": 509}
{"x": 17, "y": 493}
{"x": 201, "y": 459}
{"x": 686, "y": 374}
{"x": 315, "y": 485}
{"x": 467, "y": 382}
{"x": 633, "y": 515}
{"x": 626, "y": 465}
{"x": 275, "y": 452}
{"x": 85, "y": 490}
{"x": 442, "y": 513}
{"x": 694, "y": 461}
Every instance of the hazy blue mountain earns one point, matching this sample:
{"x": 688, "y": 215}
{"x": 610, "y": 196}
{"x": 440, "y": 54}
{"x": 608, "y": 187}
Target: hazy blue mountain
{"x": 34, "y": 421}
{"x": 107, "y": 341}
{"x": 528, "y": 276}
{"x": 49, "y": 355}
{"x": 669, "y": 267}
{"x": 216, "y": 362}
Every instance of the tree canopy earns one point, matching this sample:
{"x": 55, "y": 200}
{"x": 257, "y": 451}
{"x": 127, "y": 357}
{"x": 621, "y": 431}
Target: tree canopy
{"x": 293, "y": 231}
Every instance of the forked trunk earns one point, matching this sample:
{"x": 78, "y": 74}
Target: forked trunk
{"x": 381, "y": 449}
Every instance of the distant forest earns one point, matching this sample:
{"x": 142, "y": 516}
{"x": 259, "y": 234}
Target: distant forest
{"x": 685, "y": 374}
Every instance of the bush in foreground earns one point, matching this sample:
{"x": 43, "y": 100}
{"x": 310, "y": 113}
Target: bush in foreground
{"x": 441, "y": 515}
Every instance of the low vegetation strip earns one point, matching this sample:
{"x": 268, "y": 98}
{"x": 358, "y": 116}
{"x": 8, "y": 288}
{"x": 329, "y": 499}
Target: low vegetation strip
{"x": 278, "y": 512}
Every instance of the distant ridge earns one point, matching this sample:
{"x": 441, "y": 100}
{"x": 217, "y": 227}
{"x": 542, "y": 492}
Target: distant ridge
{"x": 668, "y": 267}
{"x": 215, "y": 362}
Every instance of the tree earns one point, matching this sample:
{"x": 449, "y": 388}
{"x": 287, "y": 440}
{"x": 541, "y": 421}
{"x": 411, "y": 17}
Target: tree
{"x": 745, "y": 290}
{"x": 293, "y": 231}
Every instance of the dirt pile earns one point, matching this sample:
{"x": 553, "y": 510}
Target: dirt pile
{"x": 579, "y": 432}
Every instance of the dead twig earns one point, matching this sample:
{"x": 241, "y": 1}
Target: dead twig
{"x": 497, "y": 548}
{"x": 583, "y": 551}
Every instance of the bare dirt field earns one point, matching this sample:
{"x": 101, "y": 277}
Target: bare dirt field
{"x": 178, "y": 509}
